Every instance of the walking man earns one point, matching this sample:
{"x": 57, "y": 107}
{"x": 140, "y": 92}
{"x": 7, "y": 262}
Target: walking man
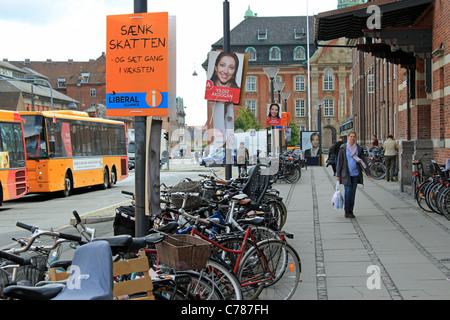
{"x": 350, "y": 160}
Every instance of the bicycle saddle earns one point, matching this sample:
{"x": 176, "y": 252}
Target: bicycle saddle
{"x": 117, "y": 241}
{"x": 168, "y": 228}
{"x": 45, "y": 292}
{"x": 253, "y": 221}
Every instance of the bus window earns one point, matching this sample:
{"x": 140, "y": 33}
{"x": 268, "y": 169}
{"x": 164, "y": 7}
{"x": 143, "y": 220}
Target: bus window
{"x": 35, "y": 141}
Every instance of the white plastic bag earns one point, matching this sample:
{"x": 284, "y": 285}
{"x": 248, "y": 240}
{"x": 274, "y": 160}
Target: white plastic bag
{"x": 337, "y": 201}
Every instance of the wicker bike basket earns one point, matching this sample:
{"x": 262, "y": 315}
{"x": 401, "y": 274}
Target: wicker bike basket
{"x": 186, "y": 186}
{"x": 183, "y": 252}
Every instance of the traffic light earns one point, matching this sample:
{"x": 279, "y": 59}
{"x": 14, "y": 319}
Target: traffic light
{"x": 166, "y": 136}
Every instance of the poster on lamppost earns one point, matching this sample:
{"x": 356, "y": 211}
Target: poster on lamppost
{"x": 224, "y": 76}
{"x": 137, "y": 64}
{"x": 274, "y": 114}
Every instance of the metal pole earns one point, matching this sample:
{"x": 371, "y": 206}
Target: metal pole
{"x": 309, "y": 69}
{"x": 226, "y": 48}
{"x": 141, "y": 219}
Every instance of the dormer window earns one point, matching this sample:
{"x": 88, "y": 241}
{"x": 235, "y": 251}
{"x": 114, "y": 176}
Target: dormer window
{"x": 262, "y": 34}
{"x": 275, "y": 53}
{"x": 84, "y": 77}
{"x": 251, "y": 53}
{"x": 299, "y": 53}
{"x": 299, "y": 33}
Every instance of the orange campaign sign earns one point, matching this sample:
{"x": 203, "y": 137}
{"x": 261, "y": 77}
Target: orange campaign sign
{"x": 285, "y": 119}
{"x": 136, "y": 64}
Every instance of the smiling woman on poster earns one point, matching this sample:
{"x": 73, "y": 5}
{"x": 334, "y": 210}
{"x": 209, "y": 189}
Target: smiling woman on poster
{"x": 225, "y": 70}
{"x": 273, "y": 114}
{"x": 224, "y": 76}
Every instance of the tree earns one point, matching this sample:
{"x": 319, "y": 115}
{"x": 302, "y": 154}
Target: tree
{"x": 246, "y": 120}
{"x": 295, "y": 136}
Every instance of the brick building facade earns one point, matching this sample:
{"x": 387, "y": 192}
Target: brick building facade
{"x": 330, "y": 73}
{"x": 400, "y": 79}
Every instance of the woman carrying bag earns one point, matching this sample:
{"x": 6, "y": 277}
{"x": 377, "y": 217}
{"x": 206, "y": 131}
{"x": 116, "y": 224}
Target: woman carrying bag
{"x": 351, "y": 162}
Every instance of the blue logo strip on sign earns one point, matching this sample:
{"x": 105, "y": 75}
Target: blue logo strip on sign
{"x": 136, "y": 100}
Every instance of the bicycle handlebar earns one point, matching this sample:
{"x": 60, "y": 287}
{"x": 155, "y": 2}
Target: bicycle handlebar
{"x": 15, "y": 258}
{"x": 35, "y": 230}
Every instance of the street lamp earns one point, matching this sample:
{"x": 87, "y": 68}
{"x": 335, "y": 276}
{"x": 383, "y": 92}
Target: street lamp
{"x": 285, "y": 96}
{"x": 271, "y": 73}
{"x": 279, "y": 85}
{"x": 319, "y": 103}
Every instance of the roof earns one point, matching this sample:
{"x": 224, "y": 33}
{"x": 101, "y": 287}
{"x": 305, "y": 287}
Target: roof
{"x": 70, "y": 70}
{"x": 27, "y": 87}
{"x": 280, "y": 31}
{"x": 351, "y": 21}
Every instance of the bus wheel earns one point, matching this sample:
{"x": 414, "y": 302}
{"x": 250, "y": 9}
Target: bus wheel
{"x": 67, "y": 186}
{"x": 105, "y": 180}
{"x": 113, "y": 178}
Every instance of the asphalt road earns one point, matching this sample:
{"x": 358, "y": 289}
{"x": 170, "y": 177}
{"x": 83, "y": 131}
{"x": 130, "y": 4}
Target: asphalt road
{"x": 53, "y": 211}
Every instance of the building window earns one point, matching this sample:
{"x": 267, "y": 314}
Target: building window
{"x": 250, "y": 84}
{"x": 300, "y": 108}
{"x": 251, "y": 104}
{"x": 328, "y": 80}
{"x": 251, "y": 53}
{"x": 299, "y": 53}
{"x": 299, "y": 33}
{"x": 328, "y": 108}
{"x": 93, "y": 92}
{"x": 61, "y": 82}
{"x": 262, "y": 34}
{"x": 84, "y": 77}
{"x": 275, "y": 53}
{"x": 370, "y": 83}
{"x": 299, "y": 83}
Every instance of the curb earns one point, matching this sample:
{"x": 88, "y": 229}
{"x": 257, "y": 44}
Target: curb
{"x": 101, "y": 215}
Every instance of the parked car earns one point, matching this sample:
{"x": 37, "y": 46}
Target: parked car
{"x": 217, "y": 159}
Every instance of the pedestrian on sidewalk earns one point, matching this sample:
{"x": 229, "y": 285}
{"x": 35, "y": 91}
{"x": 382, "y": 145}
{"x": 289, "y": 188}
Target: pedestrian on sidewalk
{"x": 242, "y": 156}
{"x": 350, "y": 163}
{"x": 331, "y": 161}
{"x": 390, "y": 156}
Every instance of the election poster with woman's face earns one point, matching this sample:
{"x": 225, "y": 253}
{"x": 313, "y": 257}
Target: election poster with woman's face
{"x": 224, "y": 76}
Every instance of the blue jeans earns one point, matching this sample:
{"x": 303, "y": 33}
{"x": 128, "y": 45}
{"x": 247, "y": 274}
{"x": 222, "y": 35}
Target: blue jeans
{"x": 350, "y": 192}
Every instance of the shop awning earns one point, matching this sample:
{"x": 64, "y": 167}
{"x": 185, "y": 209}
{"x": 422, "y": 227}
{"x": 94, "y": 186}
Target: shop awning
{"x": 351, "y": 22}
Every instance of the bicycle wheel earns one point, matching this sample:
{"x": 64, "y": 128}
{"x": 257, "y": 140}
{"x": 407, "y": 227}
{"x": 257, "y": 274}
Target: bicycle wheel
{"x": 167, "y": 289}
{"x": 444, "y": 203}
{"x": 224, "y": 279}
{"x": 197, "y": 286}
{"x": 276, "y": 272}
{"x": 378, "y": 170}
{"x": 420, "y": 196}
{"x": 437, "y": 196}
{"x": 292, "y": 174}
{"x": 431, "y": 195}
{"x": 276, "y": 210}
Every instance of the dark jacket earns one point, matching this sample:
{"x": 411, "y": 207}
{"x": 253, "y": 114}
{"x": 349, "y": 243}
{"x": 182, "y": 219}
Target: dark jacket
{"x": 342, "y": 170}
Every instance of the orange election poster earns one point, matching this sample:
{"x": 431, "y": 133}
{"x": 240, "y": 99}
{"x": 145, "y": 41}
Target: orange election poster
{"x": 136, "y": 64}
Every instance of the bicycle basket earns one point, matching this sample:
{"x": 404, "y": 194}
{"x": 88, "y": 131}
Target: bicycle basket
{"x": 183, "y": 252}
{"x": 187, "y": 186}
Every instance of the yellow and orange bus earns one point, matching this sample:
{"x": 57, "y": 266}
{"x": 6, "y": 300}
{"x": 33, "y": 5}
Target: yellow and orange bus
{"x": 68, "y": 149}
{"x": 13, "y": 172}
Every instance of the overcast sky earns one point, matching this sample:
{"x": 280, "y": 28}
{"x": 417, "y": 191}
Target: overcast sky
{"x": 76, "y": 29}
